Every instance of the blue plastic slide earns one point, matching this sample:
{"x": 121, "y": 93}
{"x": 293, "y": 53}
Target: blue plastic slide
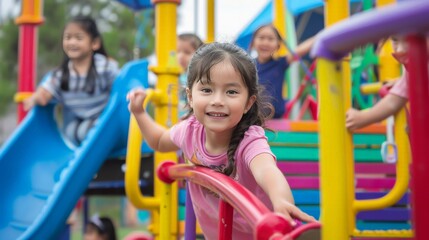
{"x": 42, "y": 177}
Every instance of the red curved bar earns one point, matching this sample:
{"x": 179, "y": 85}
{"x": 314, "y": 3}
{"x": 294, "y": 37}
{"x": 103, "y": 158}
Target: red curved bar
{"x": 264, "y": 222}
{"x": 302, "y": 229}
{"x": 162, "y": 172}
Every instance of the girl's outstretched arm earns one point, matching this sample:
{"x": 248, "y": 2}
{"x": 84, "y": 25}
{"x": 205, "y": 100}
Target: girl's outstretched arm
{"x": 273, "y": 182}
{"x": 157, "y": 136}
{"x": 387, "y": 106}
{"x": 40, "y": 97}
{"x": 305, "y": 47}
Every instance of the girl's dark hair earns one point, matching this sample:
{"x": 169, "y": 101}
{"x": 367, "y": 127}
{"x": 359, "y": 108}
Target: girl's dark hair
{"x": 199, "y": 70}
{"x": 272, "y": 27}
{"x": 89, "y": 26}
{"x": 195, "y": 41}
{"x": 104, "y": 227}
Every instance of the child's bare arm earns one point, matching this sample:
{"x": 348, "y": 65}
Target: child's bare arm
{"x": 387, "y": 106}
{"x": 157, "y": 136}
{"x": 40, "y": 97}
{"x": 305, "y": 47}
{"x": 274, "y": 183}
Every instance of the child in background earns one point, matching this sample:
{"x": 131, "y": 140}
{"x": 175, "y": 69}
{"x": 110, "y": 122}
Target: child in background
{"x": 271, "y": 71}
{"x": 187, "y": 44}
{"x": 100, "y": 228}
{"x": 392, "y": 102}
{"x": 223, "y": 131}
{"x": 82, "y": 82}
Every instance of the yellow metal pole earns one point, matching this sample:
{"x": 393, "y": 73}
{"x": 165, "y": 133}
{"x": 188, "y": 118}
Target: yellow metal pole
{"x": 210, "y": 21}
{"x": 31, "y": 12}
{"x": 336, "y": 155}
{"x": 332, "y": 133}
{"x": 389, "y": 68}
{"x": 166, "y": 112}
{"x": 371, "y": 88}
{"x": 166, "y": 216}
{"x": 279, "y": 21}
{"x": 335, "y": 10}
{"x": 132, "y": 174}
{"x": 402, "y": 170}
{"x": 348, "y": 149}
{"x": 133, "y": 158}
{"x": 384, "y": 2}
{"x": 401, "y": 184}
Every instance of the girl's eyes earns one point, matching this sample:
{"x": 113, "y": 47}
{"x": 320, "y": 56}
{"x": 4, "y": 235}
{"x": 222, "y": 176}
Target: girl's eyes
{"x": 265, "y": 37}
{"x": 206, "y": 90}
{"x": 229, "y": 92}
{"x": 68, "y": 37}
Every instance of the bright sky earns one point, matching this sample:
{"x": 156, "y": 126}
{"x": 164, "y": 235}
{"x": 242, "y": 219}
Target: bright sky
{"x": 232, "y": 16}
{"x": 6, "y": 8}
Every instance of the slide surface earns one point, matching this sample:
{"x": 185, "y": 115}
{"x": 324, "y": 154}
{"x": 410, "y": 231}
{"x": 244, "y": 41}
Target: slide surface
{"x": 42, "y": 177}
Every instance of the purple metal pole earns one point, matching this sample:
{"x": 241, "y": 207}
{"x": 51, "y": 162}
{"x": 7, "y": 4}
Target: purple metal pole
{"x": 190, "y": 222}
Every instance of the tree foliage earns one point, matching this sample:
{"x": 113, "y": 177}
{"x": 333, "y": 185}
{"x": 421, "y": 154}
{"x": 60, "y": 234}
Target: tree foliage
{"x": 120, "y": 29}
{"x": 8, "y": 62}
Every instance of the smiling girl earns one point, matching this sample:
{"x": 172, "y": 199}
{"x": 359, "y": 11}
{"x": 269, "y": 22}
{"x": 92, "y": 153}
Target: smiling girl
{"x": 82, "y": 82}
{"x": 223, "y": 131}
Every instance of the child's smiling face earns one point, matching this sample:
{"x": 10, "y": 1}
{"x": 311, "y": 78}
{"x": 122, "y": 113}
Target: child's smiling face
{"x": 266, "y": 42}
{"x": 77, "y": 43}
{"x": 219, "y": 104}
{"x": 400, "y": 48}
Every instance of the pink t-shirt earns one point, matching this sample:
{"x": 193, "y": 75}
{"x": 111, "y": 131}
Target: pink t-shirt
{"x": 189, "y": 135}
{"x": 401, "y": 87}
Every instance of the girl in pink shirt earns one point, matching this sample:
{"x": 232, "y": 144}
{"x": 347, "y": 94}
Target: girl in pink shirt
{"x": 223, "y": 131}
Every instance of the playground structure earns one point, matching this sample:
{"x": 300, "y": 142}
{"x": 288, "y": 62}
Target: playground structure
{"x": 52, "y": 197}
{"x": 336, "y": 164}
{"x": 46, "y": 178}
{"x": 332, "y": 46}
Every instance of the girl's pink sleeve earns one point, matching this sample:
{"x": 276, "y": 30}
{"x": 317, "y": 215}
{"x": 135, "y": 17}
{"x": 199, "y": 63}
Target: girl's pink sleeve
{"x": 178, "y": 133}
{"x": 254, "y": 143}
{"x": 401, "y": 87}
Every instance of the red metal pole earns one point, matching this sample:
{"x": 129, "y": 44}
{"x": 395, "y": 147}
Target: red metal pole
{"x": 225, "y": 220}
{"x": 31, "y": 16}
{"x": 418, "y": 89}
{"x": 27, "y": 63}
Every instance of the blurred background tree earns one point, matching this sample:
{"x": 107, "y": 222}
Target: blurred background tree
{"x": 8, "y": 62}
{"x": 125, "y": 33}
